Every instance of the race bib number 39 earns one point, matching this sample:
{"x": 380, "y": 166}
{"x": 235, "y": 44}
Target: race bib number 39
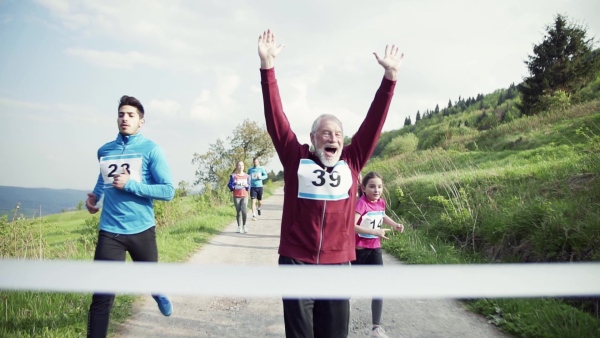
{"x": 115, "y": 164}
{"x": 317, "y": 184}
{"x": 371, "y": 220}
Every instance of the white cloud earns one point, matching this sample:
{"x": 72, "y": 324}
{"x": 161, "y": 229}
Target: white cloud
{"x": 214, "y": 105}
{"x": 110, "y": 59}
{"x": 165, "y": 108}
{"x": 12, "y": 104}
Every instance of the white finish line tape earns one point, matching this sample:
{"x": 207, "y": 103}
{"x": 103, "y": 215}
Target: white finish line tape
{"x": 404, "y": 281}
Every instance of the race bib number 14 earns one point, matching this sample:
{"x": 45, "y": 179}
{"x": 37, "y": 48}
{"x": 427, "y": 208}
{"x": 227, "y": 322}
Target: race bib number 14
{"x": 371, "y": 220}
{"x": 115, "y": 164}
{"x": 317, "y": 184}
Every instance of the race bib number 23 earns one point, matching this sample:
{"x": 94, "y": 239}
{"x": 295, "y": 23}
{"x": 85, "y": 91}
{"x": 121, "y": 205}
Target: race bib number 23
{"x": 116, "y": 164}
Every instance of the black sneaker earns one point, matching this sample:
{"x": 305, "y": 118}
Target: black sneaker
{"x": 258, "y": 212}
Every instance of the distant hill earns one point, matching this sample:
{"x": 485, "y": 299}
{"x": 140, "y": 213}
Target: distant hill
{"x": 52, "y": 201}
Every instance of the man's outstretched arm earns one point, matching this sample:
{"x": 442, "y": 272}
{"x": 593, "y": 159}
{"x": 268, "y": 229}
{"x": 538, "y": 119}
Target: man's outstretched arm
{"x": 365, "y": 139}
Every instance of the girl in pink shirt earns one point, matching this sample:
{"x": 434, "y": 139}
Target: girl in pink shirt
{"x": 370, "y": 215}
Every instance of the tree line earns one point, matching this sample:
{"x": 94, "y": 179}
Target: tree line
{"x": 560, "y": 66}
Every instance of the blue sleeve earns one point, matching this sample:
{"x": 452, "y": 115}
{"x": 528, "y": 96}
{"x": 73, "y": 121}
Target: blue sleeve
{"x": 163, "y": 188}
{"x": 231, "y": 184}
{"x": 248, "y": 185}
{"x": 264, "y": 174}
{"x": 99, "y": 188}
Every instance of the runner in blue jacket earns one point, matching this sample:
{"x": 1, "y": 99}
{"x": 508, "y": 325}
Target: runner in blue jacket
{"x": 133, "y": 172}
{"x": 257, "y": 175}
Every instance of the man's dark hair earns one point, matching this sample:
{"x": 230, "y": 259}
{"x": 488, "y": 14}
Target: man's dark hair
{"x": 132, "y": 101}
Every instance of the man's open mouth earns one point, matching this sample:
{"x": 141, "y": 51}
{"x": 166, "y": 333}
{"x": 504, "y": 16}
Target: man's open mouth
{"x": 330, "y": 151}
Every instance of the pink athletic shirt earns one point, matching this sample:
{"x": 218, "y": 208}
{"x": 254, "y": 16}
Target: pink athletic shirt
{"x": 371, "y": 216}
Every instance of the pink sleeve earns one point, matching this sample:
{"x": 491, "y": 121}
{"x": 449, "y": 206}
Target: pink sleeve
{"x": 361, "y": 206}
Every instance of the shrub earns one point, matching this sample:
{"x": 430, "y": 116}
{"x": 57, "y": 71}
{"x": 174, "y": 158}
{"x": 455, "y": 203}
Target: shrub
{"x": 401, "y": 145}
{"x": 558, "y": 100}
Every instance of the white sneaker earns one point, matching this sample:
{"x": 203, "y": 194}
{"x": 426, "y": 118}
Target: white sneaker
{"x": 240, "y": 230}
{"x": 245, "y": 229}
{"x": 378, "y": 331}
{"x": 253, "y": 218}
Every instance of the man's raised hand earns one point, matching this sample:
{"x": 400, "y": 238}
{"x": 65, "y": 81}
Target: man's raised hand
{"x": 268, "y": 49}
{"x": 390, "y": 61}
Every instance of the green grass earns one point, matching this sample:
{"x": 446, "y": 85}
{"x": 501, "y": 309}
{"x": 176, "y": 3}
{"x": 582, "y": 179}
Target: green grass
{"x": 525, "y": 191}
{"x": 53, "y": 314}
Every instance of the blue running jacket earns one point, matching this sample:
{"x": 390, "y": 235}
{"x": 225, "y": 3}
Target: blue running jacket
{"x": 130, "y": 211}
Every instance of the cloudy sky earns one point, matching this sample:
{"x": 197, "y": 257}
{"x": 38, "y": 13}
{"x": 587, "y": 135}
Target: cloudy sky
{"x": 194, "y": 65}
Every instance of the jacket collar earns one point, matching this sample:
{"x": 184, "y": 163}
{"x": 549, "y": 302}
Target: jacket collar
{"x": 129, "y": 139}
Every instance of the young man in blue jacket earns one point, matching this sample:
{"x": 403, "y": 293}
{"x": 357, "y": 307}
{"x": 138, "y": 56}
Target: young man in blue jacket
{"x": 133, "y": 172}
{"x": 257, "y": 175}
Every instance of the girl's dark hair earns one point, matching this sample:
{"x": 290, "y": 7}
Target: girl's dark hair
{"x": 132, "y": 101}
{"x": 370, "y": 175}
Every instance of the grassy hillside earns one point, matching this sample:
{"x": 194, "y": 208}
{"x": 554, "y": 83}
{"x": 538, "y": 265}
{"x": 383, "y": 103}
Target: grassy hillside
{"x": 503, "y": 188}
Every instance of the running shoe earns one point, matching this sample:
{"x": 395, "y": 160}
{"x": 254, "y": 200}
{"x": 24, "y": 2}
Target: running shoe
{"x": 240, "y": 230}
{"x": 254, "y": 218}
{"x": 378, "y": 331}
{"x": 245, "y": 229}
{"x": 258, "y": 212}
{"x": 164, "y": 304}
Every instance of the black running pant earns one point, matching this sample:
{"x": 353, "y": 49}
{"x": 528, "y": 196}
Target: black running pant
{"x": 314, "y": 318}
{"x": 112, "y": 247}
{"x": 371, "y": 257}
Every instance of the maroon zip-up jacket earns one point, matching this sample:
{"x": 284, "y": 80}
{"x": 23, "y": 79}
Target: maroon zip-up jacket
{"x": 317, "y": 231}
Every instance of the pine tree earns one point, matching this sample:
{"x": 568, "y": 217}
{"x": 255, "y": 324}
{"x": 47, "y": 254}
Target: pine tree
{"x": 562, "y": 62}
{"x": 449, "y": 103}
{"x": 500, "y": 99}
{"x": 437, "y": 109}
{"x": 418, "y": 117}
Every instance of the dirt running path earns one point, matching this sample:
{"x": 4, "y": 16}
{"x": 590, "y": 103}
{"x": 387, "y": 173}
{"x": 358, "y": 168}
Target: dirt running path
{"x": 260, "y": 317}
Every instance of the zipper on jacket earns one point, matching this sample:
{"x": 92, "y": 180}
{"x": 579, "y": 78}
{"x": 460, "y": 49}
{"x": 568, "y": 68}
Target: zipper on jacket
{"x": 321, "y": 232}
{"x": 124, "y": 145}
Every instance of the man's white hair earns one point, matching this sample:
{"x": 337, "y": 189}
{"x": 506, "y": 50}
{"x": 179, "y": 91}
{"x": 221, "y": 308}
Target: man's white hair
{"x": 315, "y": 125}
